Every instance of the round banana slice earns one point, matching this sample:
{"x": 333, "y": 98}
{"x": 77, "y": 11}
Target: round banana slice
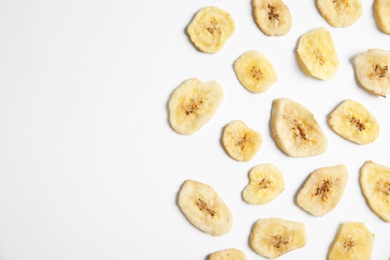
{"x": 375, "y": 185}
{"x": 255, "y": 72}
{"x": 193, "y": 104}
{"x": 295, "y": 130}
{"x": 353, "y": 241}
{"x": 317, "y": 55}
{"x": 372, "y": 69}
{"x": 266, "y": 182}
{"x": 352, "y": 121}
{"x": 204, "y": 208}
{"x": 340, "y": 13}
{"x": 228, "y": 254}
{"x": 240, "y": 141}
{"x": 210, "y": 29}
{"x": 382, "y": 15}
{"x": 273, "y": 237}
{"x": 323, "y": 190}
{"x": 272, "y": 17}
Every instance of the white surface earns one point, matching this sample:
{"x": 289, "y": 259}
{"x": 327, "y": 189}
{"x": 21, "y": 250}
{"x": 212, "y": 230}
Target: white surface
{"x": 89, "y": 166}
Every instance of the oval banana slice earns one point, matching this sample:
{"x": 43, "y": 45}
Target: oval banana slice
{"x": 372, "y": 69}
{"x": 266, "y": 182}
{"x": 228, "y": 254}
{"x": 273, "y": 237}
{"x": 382, "y": 15}
{"x": 255, "y": 72}
{"x": 317, "y": 54}
{"x": 203, "y": 207}
{"x": 352, "y": 121}
{"x": 295, "y": 130}
{"x": 375, "y": 185}
{"x": 340, "y": 13}
{"x": 353, "y": 241}
{"x": 193, "y": 104}
{"x": 323, "y": 190}
{"x": 272, "y": 17}
{"x": 210, "y": 29}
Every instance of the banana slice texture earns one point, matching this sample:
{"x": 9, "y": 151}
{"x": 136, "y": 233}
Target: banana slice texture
{"x": 375, "y": 185}
{"x": 272, "y": 17}
{"x": 382, "y": 15}
{"x": 204, "y": 208}
{"x": 317, "y": 55}
{"x": 274, "y": 237}
{"x": 372, "y": 69}
{"x": 266, "y": 182}
{"x": 240, "y": 141}
{"x": 228, "y": 254}
{"x": 295, "y": 130}
{"x": 255, "y": 71}
{"x": 323, "y": 190}
{"x": 340, "y": 13}
{"x": 193, "y": 104}
{"x": 352, "y": 121}
{"x": 210, "y": 29}
{"x": 353, "y": 241}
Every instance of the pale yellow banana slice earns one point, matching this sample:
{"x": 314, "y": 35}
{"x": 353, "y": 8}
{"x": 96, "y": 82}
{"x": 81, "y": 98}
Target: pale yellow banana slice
{"x": 272, "y": 17}
{"x": 382, "y": 15}
{"x": 240, "y": 141}
{"x": 372, "y": 69}
{"x": 266, "y": 182}
{"x": 340, "y": 13}
{"x": 210, "y": 29}
{"x": 273, "y": 237}
{"x": 317, "y": 54}
{"x": 354, "y": 241}
{"x": 352, "y": 121}
{"x": 228, "y": 254}
{"x": 255, "y": 71}
{"x": 193, "y": 104}
{"x": 204, "y": 208}
{"x": 375, "y": 184}
{"x": 295, "y": 130}
{"x": 323, "y": 190}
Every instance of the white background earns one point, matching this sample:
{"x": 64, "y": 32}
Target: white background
{"x": 89, "y": 165}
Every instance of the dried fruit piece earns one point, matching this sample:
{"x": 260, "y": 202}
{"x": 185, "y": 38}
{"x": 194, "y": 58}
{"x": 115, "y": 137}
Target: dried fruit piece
{"x": 340, "y": 13}
{"x": 323, "y": 190}
{"x": 228, "y": 254}
{"x": 204, "y": 208}
{"x": 382, "y": 15}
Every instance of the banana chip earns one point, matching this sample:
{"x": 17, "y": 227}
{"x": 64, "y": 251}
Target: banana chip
{"x": 340, "y": 13}
{"x": 382, "y": 15}
{"x": 228, "y": 254}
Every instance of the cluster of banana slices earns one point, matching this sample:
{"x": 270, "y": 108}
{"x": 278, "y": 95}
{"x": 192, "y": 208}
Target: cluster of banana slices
{"x": 294, "y": 130}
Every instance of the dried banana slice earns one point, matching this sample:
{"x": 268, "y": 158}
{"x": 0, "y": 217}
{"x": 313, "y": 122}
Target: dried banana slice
{"x": 340, "y": 13}
{"x": 353, "y": 241}
{"x": 372, "y": 69}
{"x": 240, "y": 141}
{"x": 323, "y": 190}
{"x": 295, "y": 130}
{"x": 375, "y": 184}
{"x": 228, "y": 254}
{"x": 193, "y": 104}
{"x": 317, "y": 54}
{"x": 382, "y": 15}
{"x": 255, "y": 71}
{"x": 272, "y": 17}
{"x": 266, "y": 182}
{"x": 273, "y": 237}
{"x": 210, "y": 29}
{"x": 352, "y": 121}
{"x": 204, "y": 208}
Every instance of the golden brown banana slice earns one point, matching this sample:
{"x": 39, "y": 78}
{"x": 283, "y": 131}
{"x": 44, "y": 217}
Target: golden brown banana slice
{"x": 354, "y": 241}
{"x": 193, "y": 104}
{"x": 375, "y": 184}
{"x": 382, "y": 15}
{"x": 266, "y": 182}
{"x": 228, "y": 254}
{"x": 240, "y": 141}
{"x": 210, "y": 29}
{"x": 372, "y": 69}
{"x": 204, "y": 208}
{"x": 295, "y": 130}
{"x": 255, "y": 72}
{"x": 317, "y": 54}
{"x": 273, "y": 237}
{"x": 323, "y": 190}
{"x": 272, "y": 17}
{"x": 352, "y": 121}
{"x": 340, "y": 13}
